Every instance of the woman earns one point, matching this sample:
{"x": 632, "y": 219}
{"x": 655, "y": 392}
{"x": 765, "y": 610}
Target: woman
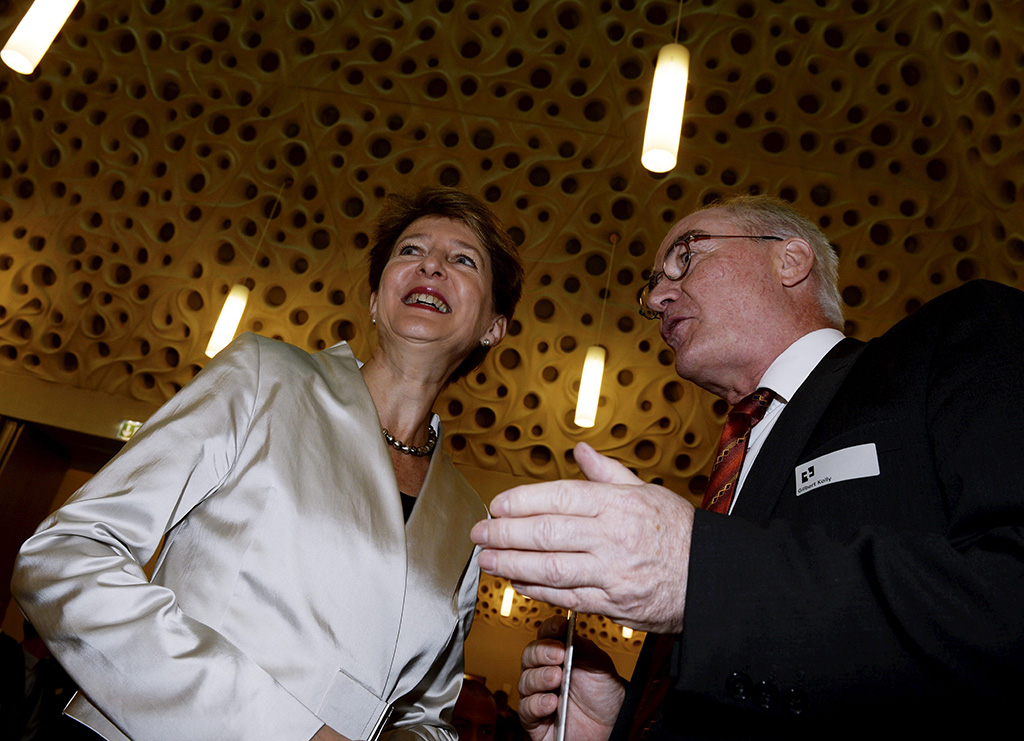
{"x": 292, "y": 598}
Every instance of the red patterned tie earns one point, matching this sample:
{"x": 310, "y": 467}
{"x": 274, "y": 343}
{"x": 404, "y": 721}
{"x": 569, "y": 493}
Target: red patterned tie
{"x": 717, "y": 498}
{"x": 731, "y": 448}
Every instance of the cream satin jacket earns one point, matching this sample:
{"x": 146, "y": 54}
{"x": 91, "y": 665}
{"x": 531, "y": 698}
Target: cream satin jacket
{"x": 290, "y": 592}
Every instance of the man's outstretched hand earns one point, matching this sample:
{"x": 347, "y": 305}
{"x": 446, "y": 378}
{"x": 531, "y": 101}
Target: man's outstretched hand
{"x": 611, "y": 545}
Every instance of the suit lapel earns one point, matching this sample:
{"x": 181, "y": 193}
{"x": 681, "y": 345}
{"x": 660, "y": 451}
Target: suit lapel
{"x": 783, "y": 447}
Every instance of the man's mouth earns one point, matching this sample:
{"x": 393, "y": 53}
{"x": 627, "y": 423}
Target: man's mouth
{"x": 418, "y": 298}
{"x": 669, "y": 326}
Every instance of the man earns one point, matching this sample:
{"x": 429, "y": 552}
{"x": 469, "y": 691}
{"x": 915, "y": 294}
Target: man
{"x": 475, "y": 716}
{"x": 873, "y": 558}
{"x": 508, "y": 727}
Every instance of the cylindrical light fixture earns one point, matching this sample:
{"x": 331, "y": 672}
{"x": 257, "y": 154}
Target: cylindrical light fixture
{"x": 506, "y": 601}
{"x": 665, "y": 115}
{"x": 35, "y": 33}
{"x": 590, "y": 387}
{"x": 227, "y": 322}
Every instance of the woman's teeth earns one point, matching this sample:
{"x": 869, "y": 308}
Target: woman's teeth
{"x": 427, "y": 300}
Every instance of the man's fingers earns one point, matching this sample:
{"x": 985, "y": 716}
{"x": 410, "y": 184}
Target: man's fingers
{"x": 600, "y": 468}
{"x": 537, "y": 709}
{"x": 543, "y": 652}
{"x": 584, "y": 599}
{"x": 549, "y": 497}
{"x": 553, "y": 627}
{"x": 540, "y": 680}
{"x": 541, "y": 676}
{"x": 576, "y": 497}
{"x": 529, "y": 568}
{"x": 548, "y": 533}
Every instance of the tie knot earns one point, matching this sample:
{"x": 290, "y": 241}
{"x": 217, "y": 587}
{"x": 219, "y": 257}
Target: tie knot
{"x": 755, "y": 405}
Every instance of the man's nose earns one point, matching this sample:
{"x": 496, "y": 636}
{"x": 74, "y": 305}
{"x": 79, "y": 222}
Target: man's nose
{"x": 663, "y": 294}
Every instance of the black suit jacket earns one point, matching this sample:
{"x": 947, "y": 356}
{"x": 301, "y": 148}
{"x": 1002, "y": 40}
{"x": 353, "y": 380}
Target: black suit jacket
{"x": 902, "y": 591}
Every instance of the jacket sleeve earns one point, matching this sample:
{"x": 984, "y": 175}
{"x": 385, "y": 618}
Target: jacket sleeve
{"x": 152, "y": 670}
{"x": 920, "y": 607}
{"x": 426, "y": 713}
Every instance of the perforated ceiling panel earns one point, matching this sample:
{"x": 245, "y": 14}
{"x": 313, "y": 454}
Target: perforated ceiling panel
{"x": 142, "y": 161}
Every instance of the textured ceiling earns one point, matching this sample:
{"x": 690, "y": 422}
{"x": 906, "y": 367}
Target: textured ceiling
{"x": 141, "y": 162}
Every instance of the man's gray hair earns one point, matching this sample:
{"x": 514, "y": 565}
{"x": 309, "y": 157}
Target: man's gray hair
{"x": 764, "y": 214}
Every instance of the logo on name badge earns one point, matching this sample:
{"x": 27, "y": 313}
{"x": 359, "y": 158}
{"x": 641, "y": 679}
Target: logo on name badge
{"x": 857, "y": 462}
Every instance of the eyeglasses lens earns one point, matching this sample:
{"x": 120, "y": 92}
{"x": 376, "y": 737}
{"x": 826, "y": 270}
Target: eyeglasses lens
{"x": 677, "y": 260}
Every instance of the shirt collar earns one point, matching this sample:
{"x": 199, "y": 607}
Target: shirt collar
{"x": 785, "y": 375}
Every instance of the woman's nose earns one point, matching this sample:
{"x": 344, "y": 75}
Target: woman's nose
{"x": 432, "y": 264}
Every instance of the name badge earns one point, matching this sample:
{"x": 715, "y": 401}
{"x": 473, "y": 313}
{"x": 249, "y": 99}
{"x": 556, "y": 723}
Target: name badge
{"x": 857, "y": 462}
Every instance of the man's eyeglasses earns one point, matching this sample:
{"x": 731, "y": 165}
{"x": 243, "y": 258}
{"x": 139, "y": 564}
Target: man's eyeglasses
{"x": 677, "y": 265}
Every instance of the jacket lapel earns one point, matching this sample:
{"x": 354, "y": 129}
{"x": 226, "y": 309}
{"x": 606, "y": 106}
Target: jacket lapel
{"x": 369, "y": 515}
{"x": 438, "y": 549}
{"x": 423, "y": 559}
{"x": 788, "y": 439}
{"x": 446, "y": 507}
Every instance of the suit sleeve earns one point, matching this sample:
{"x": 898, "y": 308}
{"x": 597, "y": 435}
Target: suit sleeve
{"x": 828, "y": 618}
{"x": 426, "y": 713}
{"x": 153, "y": 671}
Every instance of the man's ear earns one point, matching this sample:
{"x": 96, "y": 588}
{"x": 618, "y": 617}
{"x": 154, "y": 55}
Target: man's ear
{"x": 795, "y": 261}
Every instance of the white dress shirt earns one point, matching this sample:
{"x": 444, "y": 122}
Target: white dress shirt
{"x": 784, "y": 377}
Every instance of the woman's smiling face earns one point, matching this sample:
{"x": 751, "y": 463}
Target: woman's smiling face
{"x": 437, "y": 287}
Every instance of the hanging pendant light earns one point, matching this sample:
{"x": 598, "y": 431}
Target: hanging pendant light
{"x": 668, "y": 97}
{"x": 590, "y": 386}
{"x": 35, "y": 33}
{"x": 227, "y": 322}
{"x": 665, "y": 116}
{"x": 593, "y": 365}
{"x": 506, "y": 601}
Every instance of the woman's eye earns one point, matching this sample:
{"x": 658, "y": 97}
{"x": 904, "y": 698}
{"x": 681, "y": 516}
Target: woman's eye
{"x": 409, "y": 249}
{"x": 465, "y": 260}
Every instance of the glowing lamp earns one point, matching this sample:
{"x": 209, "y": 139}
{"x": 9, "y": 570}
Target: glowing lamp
{"x": 506, "y": 601}
{"x": 590, "y": 386}
{"x": 35, "y": 33}
{"x": 665, "y": 115}
{"x": 227, "y": 322}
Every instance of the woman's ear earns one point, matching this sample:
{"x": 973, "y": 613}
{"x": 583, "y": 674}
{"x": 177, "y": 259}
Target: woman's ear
{"x": 373, "y": 307}
{"x": 795, "y": 261}
{"x": 496, "y": 332}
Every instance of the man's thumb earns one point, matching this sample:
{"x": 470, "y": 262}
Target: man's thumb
{"x": 600, "y": 468}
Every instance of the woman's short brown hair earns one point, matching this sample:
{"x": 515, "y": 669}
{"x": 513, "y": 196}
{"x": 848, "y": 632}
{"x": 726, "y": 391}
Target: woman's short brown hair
{"x": 506, "y": 270}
